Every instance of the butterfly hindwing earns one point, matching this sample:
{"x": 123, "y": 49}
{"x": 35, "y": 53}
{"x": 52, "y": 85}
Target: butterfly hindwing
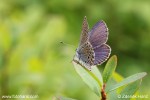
{"x": 85, "y": 55}
{"x": 101, "y": 54}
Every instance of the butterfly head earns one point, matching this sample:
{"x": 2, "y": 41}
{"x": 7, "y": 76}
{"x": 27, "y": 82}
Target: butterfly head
{"x": 77, "y": 55}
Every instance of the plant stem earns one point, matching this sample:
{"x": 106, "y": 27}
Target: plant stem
{"x": 103, "y": 93}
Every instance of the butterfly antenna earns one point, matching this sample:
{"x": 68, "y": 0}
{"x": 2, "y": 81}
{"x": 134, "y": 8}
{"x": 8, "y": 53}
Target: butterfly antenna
{"x": 67, "y": 44}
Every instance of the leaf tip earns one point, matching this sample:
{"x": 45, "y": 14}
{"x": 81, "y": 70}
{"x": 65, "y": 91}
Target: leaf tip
{"x": 114, "y": 57}
{"x": 144, "y": 73}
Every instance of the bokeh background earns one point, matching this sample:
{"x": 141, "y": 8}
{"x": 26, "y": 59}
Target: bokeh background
{"x": 32, "y": 61}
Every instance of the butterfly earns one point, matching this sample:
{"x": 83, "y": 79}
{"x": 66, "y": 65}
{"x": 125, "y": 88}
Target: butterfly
{"x": 92, "y": 49}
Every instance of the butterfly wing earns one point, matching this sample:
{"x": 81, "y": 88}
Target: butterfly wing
{"x": 84, "y": 32}
{"x": 102, "y": 53}
{"x": 85, "y": 55}
{"x": 98, "y": 37}
{"x": 92, "y": 49}
{"x": 99, "y": 34}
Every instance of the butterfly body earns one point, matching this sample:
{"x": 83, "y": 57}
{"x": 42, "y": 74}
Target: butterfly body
{"x": 92, "y": 49}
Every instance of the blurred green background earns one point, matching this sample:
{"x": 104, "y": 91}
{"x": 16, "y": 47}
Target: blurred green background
{"x": 32, "y": 61}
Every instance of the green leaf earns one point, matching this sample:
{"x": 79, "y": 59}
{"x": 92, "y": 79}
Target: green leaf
{"x": 128, "y": 80}
{"x": 97, "y": 75}
{"x": 113, "y": 95}
{"x": 92, "y": 78}
{"x": 131, "y": 88}
{"x": 117, "y": 77}
{"x": 109, "y": 68}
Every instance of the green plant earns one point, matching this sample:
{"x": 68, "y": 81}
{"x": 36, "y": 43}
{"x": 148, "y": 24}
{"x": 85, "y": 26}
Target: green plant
{"x": 109, "y": 85}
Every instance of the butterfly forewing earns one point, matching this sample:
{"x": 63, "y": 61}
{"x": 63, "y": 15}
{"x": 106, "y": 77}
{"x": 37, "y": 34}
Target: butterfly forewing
{"x": 99, "y": 34}
{"x": 84, "y": 33}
